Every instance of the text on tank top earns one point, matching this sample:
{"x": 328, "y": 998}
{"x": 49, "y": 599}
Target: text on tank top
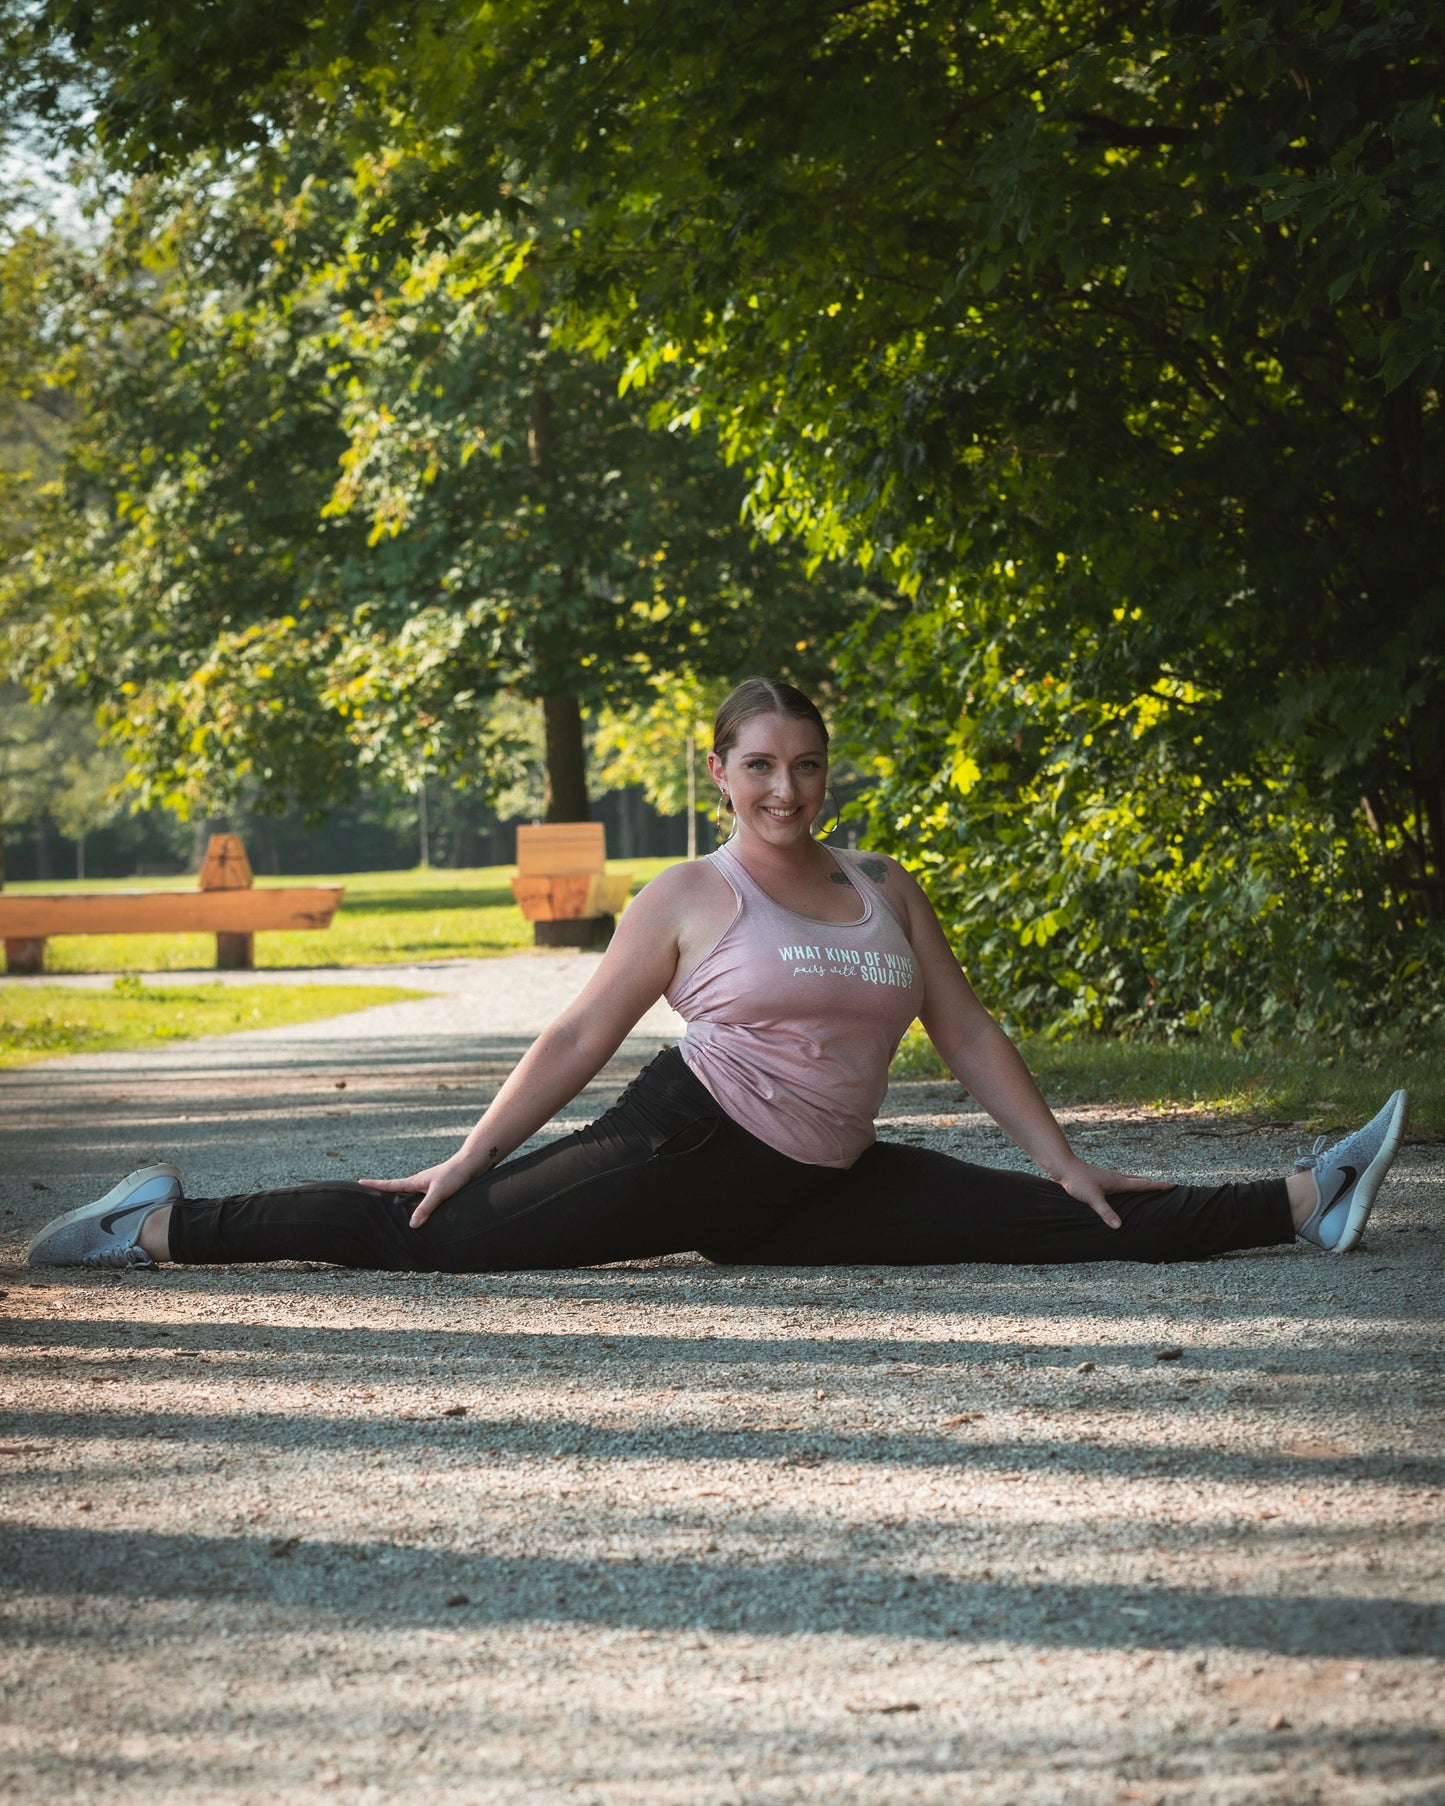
{"x": 792, "y": 1022}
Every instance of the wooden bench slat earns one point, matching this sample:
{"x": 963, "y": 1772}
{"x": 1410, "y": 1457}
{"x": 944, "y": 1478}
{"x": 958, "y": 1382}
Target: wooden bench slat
{"x": 572, "y": 896}
{"x": 168, "y": 912}
{"x": 560, "y": 898}
{"x": 559, "y": 849}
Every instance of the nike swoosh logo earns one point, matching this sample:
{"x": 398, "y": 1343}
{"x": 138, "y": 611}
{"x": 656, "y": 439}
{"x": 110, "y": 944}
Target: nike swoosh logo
{"x": 108, "y": 1223}
{"x": 1344, "y": 1185}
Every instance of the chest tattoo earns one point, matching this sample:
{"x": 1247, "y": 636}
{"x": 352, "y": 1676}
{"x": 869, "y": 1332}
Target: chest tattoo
{"x": 874, "y": 868}
{"x": 842, "y": 878}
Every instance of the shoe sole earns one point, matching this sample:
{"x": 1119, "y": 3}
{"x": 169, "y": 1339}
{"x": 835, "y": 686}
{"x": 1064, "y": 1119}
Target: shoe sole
{"x": 1370, "y": 1180}
{"x": 114, "y": 1199}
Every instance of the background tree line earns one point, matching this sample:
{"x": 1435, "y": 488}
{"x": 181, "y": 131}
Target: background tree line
{"x": 318, "y": 521}
{"x": 1110, "y": 340}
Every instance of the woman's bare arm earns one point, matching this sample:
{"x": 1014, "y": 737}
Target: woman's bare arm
{"x": 635, "y": 971}
{"x": 983, "y": 1059}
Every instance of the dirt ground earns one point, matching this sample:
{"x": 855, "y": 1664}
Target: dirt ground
{"x": 686, "y": 1536}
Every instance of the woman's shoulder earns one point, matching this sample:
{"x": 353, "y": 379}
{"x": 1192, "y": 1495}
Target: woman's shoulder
{"x": 684, "y": 885}
{"x": 692, "y": 903}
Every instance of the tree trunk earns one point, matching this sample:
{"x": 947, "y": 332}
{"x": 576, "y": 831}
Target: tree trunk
{"x": 566, "y": 755}
{"x": 566, "y": 760}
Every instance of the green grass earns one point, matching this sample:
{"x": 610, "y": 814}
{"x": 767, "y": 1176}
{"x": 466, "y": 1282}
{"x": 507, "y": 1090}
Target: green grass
{"x": 1300, "y": 1083}
{"x": 41, "y": 1022}
{"x": 385, "y": 919}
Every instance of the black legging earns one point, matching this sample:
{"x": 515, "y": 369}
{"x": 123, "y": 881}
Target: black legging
{"x": 665, "y": 1171}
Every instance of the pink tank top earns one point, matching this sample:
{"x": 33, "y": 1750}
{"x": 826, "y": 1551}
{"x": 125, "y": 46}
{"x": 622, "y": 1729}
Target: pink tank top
{"x": 792, "y": 1023}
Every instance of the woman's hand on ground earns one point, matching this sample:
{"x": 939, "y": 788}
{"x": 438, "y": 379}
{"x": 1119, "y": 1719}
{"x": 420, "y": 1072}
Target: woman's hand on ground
{"x": 1091, "y": 1185}
{"x": 435, "y": 1183}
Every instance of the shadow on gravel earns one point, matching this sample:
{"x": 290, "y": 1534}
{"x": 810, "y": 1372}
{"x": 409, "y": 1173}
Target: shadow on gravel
{"x": 357, "y": 1584}
{"x": 915, "y": 1294}
{"x": 525, "y": 1438}
{"x": 474, "y": 1352}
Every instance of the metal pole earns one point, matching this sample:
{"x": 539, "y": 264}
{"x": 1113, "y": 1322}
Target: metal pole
{"x": 421, "y": 824}
{"x": 691, "y": 794}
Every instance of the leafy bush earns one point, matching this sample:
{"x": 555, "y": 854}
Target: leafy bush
{"x": 1099, "y": 869}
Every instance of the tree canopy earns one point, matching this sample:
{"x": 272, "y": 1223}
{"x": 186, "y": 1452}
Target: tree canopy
{"x": 316, "y": 517}
{"x": 1112, "y": 336}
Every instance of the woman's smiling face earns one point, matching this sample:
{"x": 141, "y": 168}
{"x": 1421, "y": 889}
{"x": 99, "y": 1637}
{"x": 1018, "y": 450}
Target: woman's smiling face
{"x": 776, "y": 773}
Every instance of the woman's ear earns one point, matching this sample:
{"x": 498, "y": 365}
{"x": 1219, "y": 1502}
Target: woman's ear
{"x": 715, "y": 766}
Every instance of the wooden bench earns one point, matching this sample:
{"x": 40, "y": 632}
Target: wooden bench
{"x": 562, "y": 885}
{"x": 226, "y": 904}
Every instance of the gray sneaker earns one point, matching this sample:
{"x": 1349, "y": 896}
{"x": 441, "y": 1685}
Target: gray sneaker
{"x": 1348, "y": 1175}
{"x": 103, "y": 1234}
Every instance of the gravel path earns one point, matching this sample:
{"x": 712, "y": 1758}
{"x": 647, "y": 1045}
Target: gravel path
{"x": 689, "y": 1536}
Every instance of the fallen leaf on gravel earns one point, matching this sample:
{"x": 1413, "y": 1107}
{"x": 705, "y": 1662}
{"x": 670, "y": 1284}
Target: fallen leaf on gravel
{"x": 1084, "y": 1367}
{"x": 339, "y": 1084}
{"x": 961, "y": 1417}
{"x": 902, "y": 1705}
{"x": 458, "y": 1599}
{"x": 333, "y": 1153}
{"x": 35, "y": 1185}
{"x": 1278, "y": 1723}
{"x": 1271, "y": 1514}
{"x": 283, "y": 1545}
{"x": 455, "y": 1411}
{"x": 1168, "y": 1354}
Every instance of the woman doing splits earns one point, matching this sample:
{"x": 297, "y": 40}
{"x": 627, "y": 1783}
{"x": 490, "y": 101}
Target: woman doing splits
{"x": 797, "y": 969}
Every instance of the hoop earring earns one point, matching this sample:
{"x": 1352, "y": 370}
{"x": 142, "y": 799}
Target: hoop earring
{"x": 723, "y": 799}
{"x": 837, "y": 817}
